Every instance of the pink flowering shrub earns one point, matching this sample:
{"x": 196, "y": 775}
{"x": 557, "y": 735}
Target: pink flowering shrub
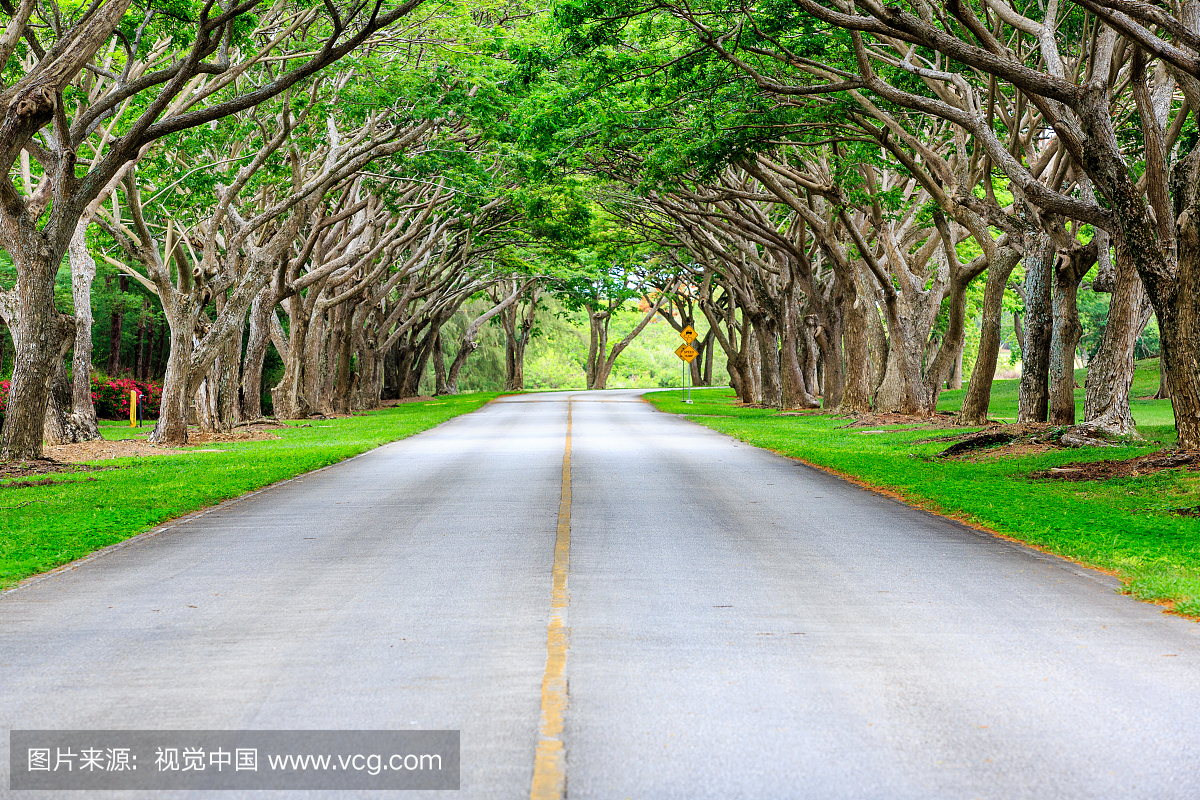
{"x": 110, "y": 396}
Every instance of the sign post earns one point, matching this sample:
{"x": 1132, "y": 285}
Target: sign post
{"x": 687, "y": 354}
{"x": 133, "y": 408}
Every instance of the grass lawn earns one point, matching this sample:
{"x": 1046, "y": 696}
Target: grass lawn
{"x": 1124, "y": 525}
{"x": 1154, "y": 417}
{"x": 42, "y": 527}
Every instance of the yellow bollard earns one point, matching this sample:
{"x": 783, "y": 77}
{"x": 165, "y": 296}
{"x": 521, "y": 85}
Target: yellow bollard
{"x": 132, "y": 407}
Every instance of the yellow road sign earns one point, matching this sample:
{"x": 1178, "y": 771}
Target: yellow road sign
{"x": 687, "y": 352}
{"x": 689, "y": 336}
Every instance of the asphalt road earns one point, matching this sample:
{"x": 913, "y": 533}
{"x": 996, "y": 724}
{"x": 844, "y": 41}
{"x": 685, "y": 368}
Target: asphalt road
{"x": 735, "y": 625}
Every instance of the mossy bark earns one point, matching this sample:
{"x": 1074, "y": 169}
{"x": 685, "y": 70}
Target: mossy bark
{"x": 1034, "y": 395}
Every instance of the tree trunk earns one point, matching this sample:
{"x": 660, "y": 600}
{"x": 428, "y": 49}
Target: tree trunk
{"x": 1065, "y": 335}
{"x": 748, "y": 358}
{"x": 1035, "y": 355}
{"x": 949, "y": 355}
{"x": 811, "y": 351}
{"x": 316, "y": 362}
{"x": 61, "y": 425}
{"x": 405, "y": 357}
{"x": 1110, "y": 375}
{"x": 514, "y": 378}
{"x": 597, "y": 348}
{"x": 901, "y": 391}
{"x": 510, "y": 360}
{"x": 605, "y": 361}
{"x": 460, "y": 359}
{"x": 1163, "y": 392}
{"x": 261, "y": 311}
{"x": 514, "y": 368}
{"x": 173, "y": 413}
{"x": 828, "y": 330}
{"x": 420, "y": 359}
{"x": 58, "y": 428}
{"x": 1173, "y": 285}
{"x": 518, "y": 329}
{"x": 734, "y": 346}
{"x": 206, "y": 401}
{"x": 391, "y": 374}
{"x": 598, "y": 379}
{"x": 83, "y": 272}
{"x": 979, "y": 390}
{"x": 877, "y": 343}
{"x": 754, "y": 374}
{"x": 368, "y": 387}
{"x": 39, "y": 333}
{"x": 229, "y": 387}
{"x": 344, "y": 380}
{"x": 895, "y": 394}
{"x": 737, "y": 364}
{"x": 792, "y": 390}
{"x": 767, "y": 341}
{"x": 856, "y": 397}
{"x": 288, "y": 399}
{"x": 440, "y": 386}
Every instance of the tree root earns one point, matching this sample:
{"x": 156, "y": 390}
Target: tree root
{"x": 1076, "y": 436}
{"x": 978, "y": 441}
{"x": 1123, "y": 468}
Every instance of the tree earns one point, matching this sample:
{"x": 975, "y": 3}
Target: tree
{"x": 198, "y": 84}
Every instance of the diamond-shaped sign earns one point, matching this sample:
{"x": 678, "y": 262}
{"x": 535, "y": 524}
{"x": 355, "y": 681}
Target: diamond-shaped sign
{"x": 687, "y": 352}
{"x": 689, "y": 335}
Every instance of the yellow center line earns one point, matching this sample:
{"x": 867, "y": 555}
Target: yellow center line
{"x": 550, "y": 762}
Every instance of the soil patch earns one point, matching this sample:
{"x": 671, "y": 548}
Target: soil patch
{"x": 420, "y": 399}
{"x": 40, "y": 466}
{"x": 258, "y": 432}
{"x": 42, "y": 482}
{"x": 945, "y": 419}
{"x": 37, "y": 467}
{"x": 101, "y": 449}
{"x": 141, "y": 448}
{"x": 943, "y": 438}
{"x": 1124, "y": 468}
{"x": 1020, "y": 447}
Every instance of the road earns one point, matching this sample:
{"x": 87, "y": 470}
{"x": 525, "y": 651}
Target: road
{"x": 728, "y": 624}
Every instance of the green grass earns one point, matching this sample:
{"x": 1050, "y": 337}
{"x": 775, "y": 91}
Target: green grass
{"x": 1122, "y": 525}
{"x": 42, "y": 527}
{"x": 1150, "y": 415}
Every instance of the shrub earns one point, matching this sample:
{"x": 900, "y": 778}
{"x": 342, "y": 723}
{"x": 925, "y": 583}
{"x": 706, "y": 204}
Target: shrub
{"x": 111, "y": 396}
